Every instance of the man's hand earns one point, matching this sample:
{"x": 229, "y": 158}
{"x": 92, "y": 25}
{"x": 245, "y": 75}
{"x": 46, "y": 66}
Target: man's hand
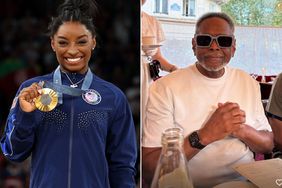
{"x": 27, "y": 97}
{"x": 227, "y": 118}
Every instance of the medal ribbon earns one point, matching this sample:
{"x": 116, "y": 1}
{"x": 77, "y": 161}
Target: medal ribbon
{"x": 63, "y": 89}
{"x": 60, "y": 88}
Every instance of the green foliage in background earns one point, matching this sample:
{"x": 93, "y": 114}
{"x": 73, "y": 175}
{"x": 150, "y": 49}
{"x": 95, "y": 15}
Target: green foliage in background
{"x": 254, "y": 12}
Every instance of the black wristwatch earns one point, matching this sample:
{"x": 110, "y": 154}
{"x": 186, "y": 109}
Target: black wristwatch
{"x": 195, "y": 140}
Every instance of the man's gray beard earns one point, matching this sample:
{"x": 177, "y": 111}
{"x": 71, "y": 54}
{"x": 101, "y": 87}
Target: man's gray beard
{"x": 211, "y": 69}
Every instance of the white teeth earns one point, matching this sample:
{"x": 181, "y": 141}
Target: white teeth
{"x": 73, "y": 60}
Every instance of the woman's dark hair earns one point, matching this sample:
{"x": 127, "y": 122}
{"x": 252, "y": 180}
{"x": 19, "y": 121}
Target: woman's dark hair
{"x": 83, "y": 11}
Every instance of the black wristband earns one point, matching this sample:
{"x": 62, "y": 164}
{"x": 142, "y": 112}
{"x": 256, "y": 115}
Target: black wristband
{"x": 194, "y": 140}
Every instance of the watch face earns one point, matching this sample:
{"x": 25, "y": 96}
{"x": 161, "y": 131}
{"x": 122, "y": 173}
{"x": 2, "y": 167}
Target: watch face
{"x": 195, "y": 141}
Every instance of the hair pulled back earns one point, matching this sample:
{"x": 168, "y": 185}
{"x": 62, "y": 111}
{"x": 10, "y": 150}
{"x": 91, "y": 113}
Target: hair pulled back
{"x": 82, "y": 11}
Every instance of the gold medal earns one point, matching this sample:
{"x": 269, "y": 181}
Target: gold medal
{"x": 47, "y": 101}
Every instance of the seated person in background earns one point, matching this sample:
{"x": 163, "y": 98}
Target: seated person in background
{"x": 219, "y": 109}
{"x": 274, "y": 111}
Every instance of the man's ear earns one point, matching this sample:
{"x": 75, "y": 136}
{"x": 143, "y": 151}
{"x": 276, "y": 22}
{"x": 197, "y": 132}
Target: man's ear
{"x": 194, "y": 46}
{"x": 233, "y": 48}
{"x": 52, "y": 43}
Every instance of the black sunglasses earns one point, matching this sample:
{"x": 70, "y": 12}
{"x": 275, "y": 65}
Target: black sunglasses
{"x": 205, "y": 40}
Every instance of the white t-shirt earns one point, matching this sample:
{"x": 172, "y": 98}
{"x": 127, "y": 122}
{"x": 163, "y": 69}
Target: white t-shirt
{"x": 186, "y": 99}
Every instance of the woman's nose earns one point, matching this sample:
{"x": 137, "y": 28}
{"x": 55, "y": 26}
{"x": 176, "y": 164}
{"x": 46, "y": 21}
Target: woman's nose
{"x": 73, "y": 50}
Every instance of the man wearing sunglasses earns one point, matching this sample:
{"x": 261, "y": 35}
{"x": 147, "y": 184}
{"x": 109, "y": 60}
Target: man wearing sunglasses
{"x": 274, "y": 111}
{"x": 219, "y": 109}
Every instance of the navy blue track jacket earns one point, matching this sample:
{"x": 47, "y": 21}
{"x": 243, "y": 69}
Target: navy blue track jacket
{"x": 76, "y": 145}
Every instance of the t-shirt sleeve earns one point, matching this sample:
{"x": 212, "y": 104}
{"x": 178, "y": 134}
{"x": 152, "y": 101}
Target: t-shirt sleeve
{"x": 274, "y": 106}
{"x": 160, "y": 33}
{"x": 159, "y": 114}
{"x": 152, "y": 27}
{"x": 261, "y": 122}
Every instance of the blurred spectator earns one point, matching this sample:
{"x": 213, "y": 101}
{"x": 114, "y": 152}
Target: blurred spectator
{"x": 13, "y": 182}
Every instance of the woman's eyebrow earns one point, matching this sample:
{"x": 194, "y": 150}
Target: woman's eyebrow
{"x": 81, "y": 36}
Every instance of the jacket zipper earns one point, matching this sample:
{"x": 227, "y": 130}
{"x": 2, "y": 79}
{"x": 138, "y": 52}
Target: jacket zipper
{"x": 70, "y": 144}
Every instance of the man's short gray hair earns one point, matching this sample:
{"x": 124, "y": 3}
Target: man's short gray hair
{"x": 221, "y": 15}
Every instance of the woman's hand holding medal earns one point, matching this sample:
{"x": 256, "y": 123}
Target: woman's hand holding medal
{"x": 36, "y": 97}
{"x": 27, "y": 97}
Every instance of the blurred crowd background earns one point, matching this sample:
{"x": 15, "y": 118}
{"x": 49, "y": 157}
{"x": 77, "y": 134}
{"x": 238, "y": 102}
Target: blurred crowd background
{"x": 25, "y": 52}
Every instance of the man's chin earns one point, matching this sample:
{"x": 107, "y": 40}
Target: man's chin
{"x": 212, "y": 69}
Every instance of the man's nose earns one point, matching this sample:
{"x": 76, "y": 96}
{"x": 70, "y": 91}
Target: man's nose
{"x": 214, "y": 45}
